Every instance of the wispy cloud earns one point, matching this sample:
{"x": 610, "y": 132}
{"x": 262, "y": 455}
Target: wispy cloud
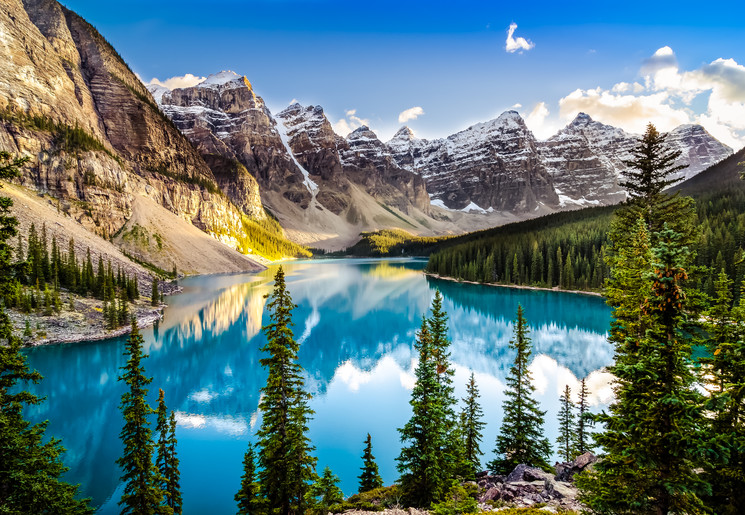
{"x": 513, "y": 44}
{"x": 182, "y": 81}
{"x": 410, "y": 114}
{"x": 349, "y": 123}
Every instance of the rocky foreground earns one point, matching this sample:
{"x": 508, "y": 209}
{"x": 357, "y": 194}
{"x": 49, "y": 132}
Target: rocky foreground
{"x": 524, "y": 487}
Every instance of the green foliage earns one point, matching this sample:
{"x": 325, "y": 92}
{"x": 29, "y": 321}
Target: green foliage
{"x": 285, "y": 461}
{"x": 374, "y": 500}
{"x": 370, "y": 477}
{"x": 651, "y": 432}
{"x": 567, "y": 451}
{"x": 424, "y": 436}
{"x": 70, "y": 139}
{"x": 202, "y": 182}
{"x": 564, "y": 250}
{"x": 432, "y": 451}
{"x": 324, "y": 493}
{"x": 142, "y": 493}
{"x": 393, "y": 242}
{"x": 471, "y": 427}
{"x": 266, "y": 238}
{"x": 584, "y": 420}
{"x": 723, "y": 374}
{"x": 520, "y": 438}
{"x": 459, "y": 499}
{"x": 166, "y": 460}
{"x": 154, "y": 293}
{"x": 249, "y": 496}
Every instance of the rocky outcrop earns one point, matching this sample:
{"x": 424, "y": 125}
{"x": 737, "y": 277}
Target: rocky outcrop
{"x": 60, "y": 77}
{"x": 526, "y": 486}
{"x": 492, "y": 166}
{"x": 566, "y": 471}
{"x": 224, "y": 116}
{"x": 368, "y": 161}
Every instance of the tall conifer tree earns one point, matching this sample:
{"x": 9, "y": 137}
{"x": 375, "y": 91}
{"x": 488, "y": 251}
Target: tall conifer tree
{"x": 286, "y": 464}
{"x": 423, "y": 480}
{"x": 142, "y": 494}
{"x": 650, "y": 435}
{"x": 370, "y": 478}
{"x": 565, "y": 441}
{"x": 520, "y": 438}
{"x": 248, "y": 497}
{"x": 472, "y": 425}
{"x": 166, "y": 459}
{"x": 30, "y": 463}
{"x": 584, "y": 419}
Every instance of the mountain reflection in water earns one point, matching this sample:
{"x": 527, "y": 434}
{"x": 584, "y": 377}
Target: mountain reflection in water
{"x": 356, "y": 320}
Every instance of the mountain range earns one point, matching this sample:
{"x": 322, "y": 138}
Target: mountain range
{"x": 213, "y": 156}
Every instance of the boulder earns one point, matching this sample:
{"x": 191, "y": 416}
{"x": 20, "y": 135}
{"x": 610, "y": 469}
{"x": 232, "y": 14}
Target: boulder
{"x": 566, "y": 471}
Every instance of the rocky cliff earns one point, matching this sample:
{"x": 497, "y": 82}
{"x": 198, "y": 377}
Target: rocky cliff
{"x": 95, "y": 135}
{"x": 586, "y": 158}
{"x": 492, "y": 166}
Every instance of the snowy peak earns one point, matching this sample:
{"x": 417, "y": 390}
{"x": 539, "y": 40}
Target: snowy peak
{"x": 403, "y": 135}
{"x": 225, "y": 79}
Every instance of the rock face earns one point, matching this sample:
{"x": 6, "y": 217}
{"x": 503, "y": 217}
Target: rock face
{"x": 489, "y": 166}
{"x": 57, "y": 70}
{"x": 586, "y": 158}
{"x": 223, "y": 116}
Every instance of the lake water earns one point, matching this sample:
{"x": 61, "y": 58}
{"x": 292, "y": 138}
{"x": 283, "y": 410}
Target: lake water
{"x": 356, "y": 320}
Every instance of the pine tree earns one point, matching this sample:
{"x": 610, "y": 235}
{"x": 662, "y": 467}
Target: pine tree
{"x": 370, "y": 478}
{"x": 285, "y": 461}
{"x": 142, "y": 493}
{"x": 565, "y": 441}
{"x": 173, "y": 492}
{"x": 653, "y": 427}
{"x": 30, "y": 463}
{"x": 325, "y": 493}
{"x": 520, "y": 438}
{"x": 249, "y": 496}
{"x": 472, "y": 426}
{"x": 584, "y": 419}
{"x": 423, "y": 480}
{"x": 155, "y": 296}
{"x": 723, "y": 374}
{"x": 166, "y": 460}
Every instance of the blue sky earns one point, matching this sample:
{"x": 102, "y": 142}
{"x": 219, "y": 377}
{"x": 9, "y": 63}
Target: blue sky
{"x": 369, "y": 62}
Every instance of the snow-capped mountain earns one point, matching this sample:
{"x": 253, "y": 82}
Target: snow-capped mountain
{"x": 489, "y": 166}
{"x": 499, "y": 165}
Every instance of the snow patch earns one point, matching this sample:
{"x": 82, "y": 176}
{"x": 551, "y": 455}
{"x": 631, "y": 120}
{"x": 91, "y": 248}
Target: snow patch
{"x": 312, "y": 186}
{"x": 474, "y": 207}
{"x": 218, "y": 79}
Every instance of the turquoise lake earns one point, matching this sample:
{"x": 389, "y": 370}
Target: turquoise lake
{"x": 356, "y": 321}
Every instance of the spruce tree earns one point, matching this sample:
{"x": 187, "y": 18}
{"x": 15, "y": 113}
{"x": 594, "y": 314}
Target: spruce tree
{"x": 651, "y": 435}
{"x": 166, "y": 460}
{"x": 142, "y": 493}
{"x": 285, "y": 460}
{"x": 723, "y": 374}
{"x": 520, "y": 438}
{"x": 565, "y": 441}
{"x": 154, "y": 295}
{"x": 370, "y": 478}
{"x": 423, "y": 479}
{"x": 584, "y": 419}
{"x": 30, "y": 463}
{"x": 325, "y": 493}
{"x": 249, "y": 496}
{"x": 472, "y": 426}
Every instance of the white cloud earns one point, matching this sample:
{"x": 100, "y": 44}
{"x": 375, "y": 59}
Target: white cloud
{"x": 183, "y": 81}
{"x": 512, "y": 44}
{"x": 348, "y": 124}
{"x": 666, "y": 98}
{"x": 537, "y": 121}
{"x": 410, "y": 114}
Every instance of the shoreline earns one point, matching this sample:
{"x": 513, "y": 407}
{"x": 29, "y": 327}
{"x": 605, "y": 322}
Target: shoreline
{"x": 514, "y": 286}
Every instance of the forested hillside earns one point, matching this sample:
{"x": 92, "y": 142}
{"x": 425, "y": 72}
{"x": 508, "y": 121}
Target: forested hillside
{"x": 566, "y": 250}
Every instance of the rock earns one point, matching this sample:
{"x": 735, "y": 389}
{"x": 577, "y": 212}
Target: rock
{"x": 566, "y": 471}
{"x": 525, "y": 472}
{"x": 491, "y": 494}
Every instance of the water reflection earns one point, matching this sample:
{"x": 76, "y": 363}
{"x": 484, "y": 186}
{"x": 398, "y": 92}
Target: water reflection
{"x": 357, "y": 321}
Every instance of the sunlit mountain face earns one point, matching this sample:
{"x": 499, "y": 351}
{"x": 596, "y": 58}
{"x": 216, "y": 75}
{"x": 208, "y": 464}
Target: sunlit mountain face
{"x": 356, "y": 321}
